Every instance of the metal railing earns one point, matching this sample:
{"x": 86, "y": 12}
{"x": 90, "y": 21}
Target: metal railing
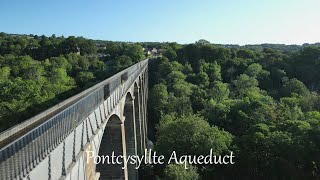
{"x": 20, "y": 156}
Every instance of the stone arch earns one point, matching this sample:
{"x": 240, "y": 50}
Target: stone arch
{"x": 111, "y": 142}
{"x": 130, "y": 133}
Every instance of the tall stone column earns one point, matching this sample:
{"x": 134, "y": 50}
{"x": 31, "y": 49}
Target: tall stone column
{"x": 138, "y": 119}
{"x": 130, "y": 133}
{"x": 124, "y": 148}
{"x": 143, "y": 114}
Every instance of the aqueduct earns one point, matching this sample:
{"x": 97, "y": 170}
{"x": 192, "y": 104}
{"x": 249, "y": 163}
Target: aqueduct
{"x": 108, "y": 117}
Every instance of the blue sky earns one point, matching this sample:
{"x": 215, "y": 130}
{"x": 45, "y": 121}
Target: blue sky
{"x": 183, "y": 21}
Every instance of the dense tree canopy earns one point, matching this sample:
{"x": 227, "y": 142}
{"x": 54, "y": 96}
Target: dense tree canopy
{"x": 261, "y": 102}
{"x": 36, "y": 72}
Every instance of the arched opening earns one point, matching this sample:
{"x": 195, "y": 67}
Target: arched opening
{"x": 137, "y": 118}
{"x": 111, "y": 142}
{"x": 129, "y": 125}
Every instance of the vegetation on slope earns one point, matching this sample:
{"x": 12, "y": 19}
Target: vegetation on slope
{"x": 37, "y": 72}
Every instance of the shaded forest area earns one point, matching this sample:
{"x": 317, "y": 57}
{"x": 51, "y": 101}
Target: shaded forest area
{"x": 263, "y": 104}
{"x": 37, "y": 72}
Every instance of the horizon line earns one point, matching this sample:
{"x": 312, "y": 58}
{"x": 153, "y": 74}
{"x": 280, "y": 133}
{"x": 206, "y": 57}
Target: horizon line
{"x": 126, "y": 41}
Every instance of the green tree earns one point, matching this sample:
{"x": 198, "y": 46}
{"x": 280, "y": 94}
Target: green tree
{"x": 255, "y": 70}
{"x": 84, "y": 78}
{"x": 158, "y": 100}
{"x": 245, "y": 85}
{"x": 202, "y": 79}
{"x": 202, "y": 42}
{"x": 190, "y": 135}
{"x": 220, "y": 91}
{"x": 245, "y": 54}
{"x": 178, "y": 172}
{"x": 170, "y": 54}
{"x": 120, "y": 63}
{"x": 134, "y": 51}
{"x": 294, "y": 86}
{"x": 4, "y": 73}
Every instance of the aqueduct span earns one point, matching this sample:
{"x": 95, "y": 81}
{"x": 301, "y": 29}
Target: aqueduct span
{"x": 110, "y": 116}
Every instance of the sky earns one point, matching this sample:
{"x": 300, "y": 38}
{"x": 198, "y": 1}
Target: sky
{"x": 183, "y": 21}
